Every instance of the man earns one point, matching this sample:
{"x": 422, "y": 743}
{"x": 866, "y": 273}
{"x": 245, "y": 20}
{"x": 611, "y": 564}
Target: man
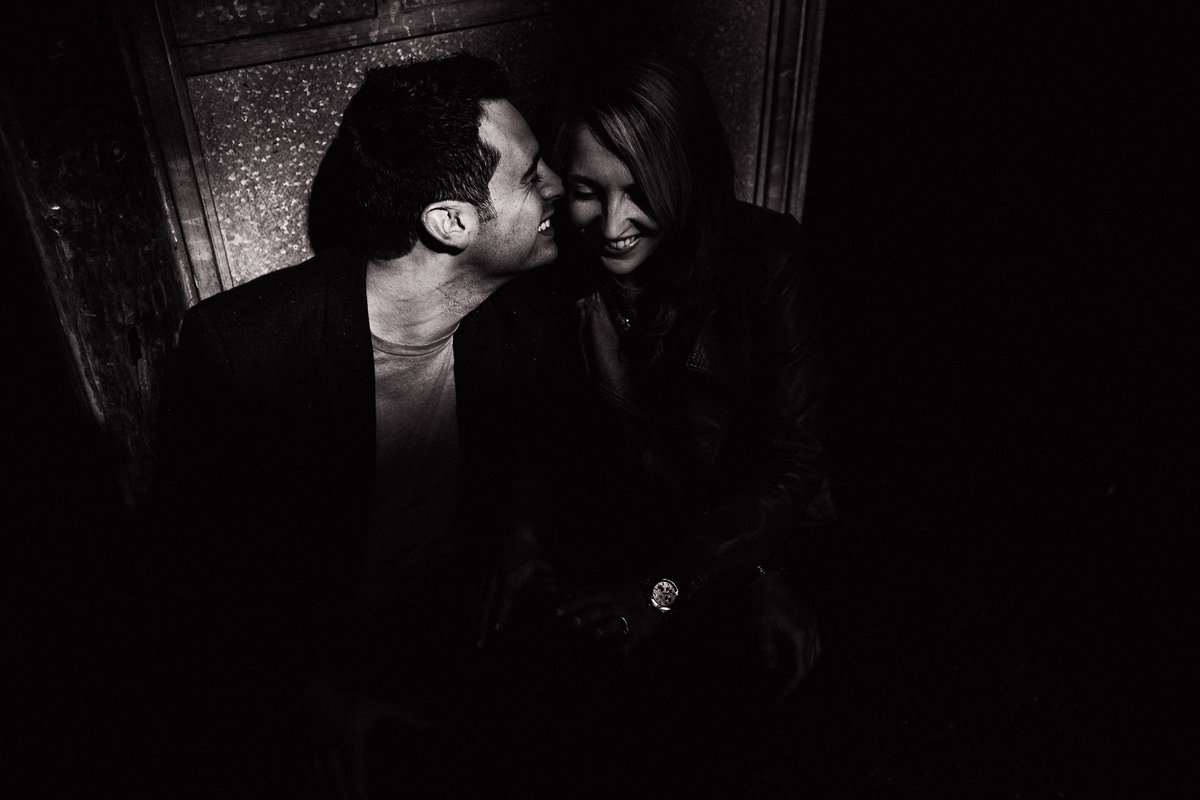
{"x": 310, "y": 429}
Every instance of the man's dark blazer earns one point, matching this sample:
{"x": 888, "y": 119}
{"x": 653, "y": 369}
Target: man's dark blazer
{"x": 266, "y": 454}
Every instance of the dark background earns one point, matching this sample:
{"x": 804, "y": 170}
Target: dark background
{"x": 1003, "y": 206}
{"x": 1005, "y": 201}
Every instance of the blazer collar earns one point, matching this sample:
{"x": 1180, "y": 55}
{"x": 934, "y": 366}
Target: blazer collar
{"x": 344, "y": 361}
{"x": 345, "y": 320}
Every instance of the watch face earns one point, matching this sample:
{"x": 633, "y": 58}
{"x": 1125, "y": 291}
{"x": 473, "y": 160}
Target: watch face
{"x": 663, "y": 594}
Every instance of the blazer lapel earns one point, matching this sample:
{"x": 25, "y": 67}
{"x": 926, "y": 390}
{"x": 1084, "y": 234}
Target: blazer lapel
{"x": 346, "y": 374}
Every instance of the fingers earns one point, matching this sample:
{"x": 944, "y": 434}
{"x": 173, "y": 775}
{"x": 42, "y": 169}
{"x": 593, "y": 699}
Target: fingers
{"x": 765, "y": 634}
{"x": 612, "y": 627}
{"x": 342, "y": 764}
{"x": 615, "y": 615}
{"x": 592, "y": 613}
{"x": 510, "y": 585}
{"x": 502, "y": 592}
{"x": 573, "y": 604}
{"x": 549, "y": 580}
{"x": 409, "y": 719}
{"x": 597, "y": 604}
{"x": 324, "y": 783}
{"x": 343, "y": 723}
{"x": 488, "y": 613}
{"x": 356, "y": 769}
{"x": 789, "y": 666}
{"x": 808, "y": 646}
{"x": 800, "y": 650}
{"x": 787, "y": 650}
{"x": 792, "y": 684}
{"x": 329, "y": 775}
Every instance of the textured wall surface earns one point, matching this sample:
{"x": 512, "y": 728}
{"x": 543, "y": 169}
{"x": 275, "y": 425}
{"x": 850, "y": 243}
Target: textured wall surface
{"x": 199, "y": 21}
{"x": 84, "y": 182}
{"x": 727, "y": 41}
{"x": 263, "y": 129}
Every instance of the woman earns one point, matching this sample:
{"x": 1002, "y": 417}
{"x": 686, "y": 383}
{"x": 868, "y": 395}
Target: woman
{"x": 666, "y": 388}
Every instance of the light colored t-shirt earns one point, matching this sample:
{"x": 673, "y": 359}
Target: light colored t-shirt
{"x": 417, "y": 493}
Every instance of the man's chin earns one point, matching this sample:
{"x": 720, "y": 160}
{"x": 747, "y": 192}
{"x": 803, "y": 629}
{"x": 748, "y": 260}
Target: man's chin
{"x": 545, "y": 255}
{"x": 543, "y": 258}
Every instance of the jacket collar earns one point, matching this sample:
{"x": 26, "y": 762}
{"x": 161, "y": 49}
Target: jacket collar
{"x": 344, "y": 361}
{"x": 345, "y": 318}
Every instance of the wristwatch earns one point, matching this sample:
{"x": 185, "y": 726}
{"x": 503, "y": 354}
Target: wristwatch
{"x": 663, "y": 594}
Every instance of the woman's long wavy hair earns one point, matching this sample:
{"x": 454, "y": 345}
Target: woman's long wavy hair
{"x": 654, "y": 112}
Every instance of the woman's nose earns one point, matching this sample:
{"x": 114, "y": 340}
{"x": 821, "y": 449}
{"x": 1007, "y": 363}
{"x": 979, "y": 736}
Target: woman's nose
{"x": 617, "y": 216}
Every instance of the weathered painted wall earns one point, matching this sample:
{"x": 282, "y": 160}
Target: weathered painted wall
{"x": 727, "y": 41}
{"x": 83, "y": 178}
{"x": 263, "y": 129}
{"x": 197, "y": 21}
{"x": 105, "y": 235}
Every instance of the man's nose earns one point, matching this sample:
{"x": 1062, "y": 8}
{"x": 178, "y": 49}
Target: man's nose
{"x": 552, "y": 186}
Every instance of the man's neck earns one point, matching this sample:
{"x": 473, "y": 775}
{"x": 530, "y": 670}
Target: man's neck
{"x": 420, "y": 297}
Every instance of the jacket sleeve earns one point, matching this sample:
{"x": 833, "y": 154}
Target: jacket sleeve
{"x": 779, "y": 447}
{"x": 195, "y": 448}
{"x": 238, "y": 642}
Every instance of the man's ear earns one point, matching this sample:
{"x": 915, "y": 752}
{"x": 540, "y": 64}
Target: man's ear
{"x": 450, "y": 224}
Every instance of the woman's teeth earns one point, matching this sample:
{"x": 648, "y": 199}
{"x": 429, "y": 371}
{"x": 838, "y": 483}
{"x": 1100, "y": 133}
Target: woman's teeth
{"x": 621, "y": 244}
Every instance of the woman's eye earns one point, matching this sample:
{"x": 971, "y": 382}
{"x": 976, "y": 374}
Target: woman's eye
{"x": 582, "y": 192}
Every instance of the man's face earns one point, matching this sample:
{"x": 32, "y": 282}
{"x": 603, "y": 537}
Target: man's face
{"x": 519, "y": 236}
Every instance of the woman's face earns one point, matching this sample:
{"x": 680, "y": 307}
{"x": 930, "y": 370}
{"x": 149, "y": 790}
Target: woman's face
{"x": 608, "y": 206}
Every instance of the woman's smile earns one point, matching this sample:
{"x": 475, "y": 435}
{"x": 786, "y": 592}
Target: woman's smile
{"x": 618, "y": 248}
{"x": 607, "y": 204}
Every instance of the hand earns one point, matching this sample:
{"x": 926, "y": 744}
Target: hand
{"x": 600, "y": 612}
{"x": 521, "y": 565}
{"x": 339, "y": 723}
{"x": 787, "y": 635}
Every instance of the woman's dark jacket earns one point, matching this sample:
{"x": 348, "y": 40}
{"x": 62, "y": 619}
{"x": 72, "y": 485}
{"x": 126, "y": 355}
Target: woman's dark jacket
{"x": 721, "y": 454}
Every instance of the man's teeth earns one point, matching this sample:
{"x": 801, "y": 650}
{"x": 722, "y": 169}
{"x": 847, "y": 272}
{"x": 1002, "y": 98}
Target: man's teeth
{"x": 621, "y": 244}
{"x": 545, "y": 226}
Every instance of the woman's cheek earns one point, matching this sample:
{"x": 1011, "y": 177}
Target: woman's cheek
{"x": 582, "y": 213}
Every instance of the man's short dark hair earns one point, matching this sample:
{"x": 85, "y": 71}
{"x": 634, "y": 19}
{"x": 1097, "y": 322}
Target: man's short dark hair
{"x": 409, "y": 137}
